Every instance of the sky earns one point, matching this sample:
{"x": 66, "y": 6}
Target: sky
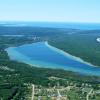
{"x": 50, "y": 10}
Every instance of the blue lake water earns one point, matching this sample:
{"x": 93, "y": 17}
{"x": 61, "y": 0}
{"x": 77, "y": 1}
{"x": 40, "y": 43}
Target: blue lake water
{"x": 83, "y": 26}
{"x": 43, "y": 55}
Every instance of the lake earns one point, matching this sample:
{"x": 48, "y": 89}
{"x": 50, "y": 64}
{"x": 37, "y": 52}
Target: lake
{"x": 69, "y": 25}
{"x": 41, "y": 54}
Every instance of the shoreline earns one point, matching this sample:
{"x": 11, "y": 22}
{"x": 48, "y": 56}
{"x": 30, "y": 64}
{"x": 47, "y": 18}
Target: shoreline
{"x": 19, "y": 57}
{"x": 25, "y": 59}
{"x": 69, "y": 55}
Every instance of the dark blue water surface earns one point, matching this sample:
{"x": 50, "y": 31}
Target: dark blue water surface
{"x": 41, "y": 52}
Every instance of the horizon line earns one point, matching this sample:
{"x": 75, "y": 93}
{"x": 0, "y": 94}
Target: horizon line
{"x": 48, "y": 21}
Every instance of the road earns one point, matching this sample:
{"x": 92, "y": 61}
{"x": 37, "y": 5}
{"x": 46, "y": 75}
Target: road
{"x": 87, "y": 97}
{"x": 33, "y": 91}
{"x": 59, "y": 95}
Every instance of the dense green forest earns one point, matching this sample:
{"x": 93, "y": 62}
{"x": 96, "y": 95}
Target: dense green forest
{"x": 83, "y": 45}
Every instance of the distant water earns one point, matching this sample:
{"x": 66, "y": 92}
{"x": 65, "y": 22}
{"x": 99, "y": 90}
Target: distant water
{"x": 83, "y": 26}
{"x": 43, "y": 55}
{"x": 12, "y": 35}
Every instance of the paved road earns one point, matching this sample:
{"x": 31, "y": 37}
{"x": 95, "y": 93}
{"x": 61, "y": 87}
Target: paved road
{"x": 59, "y": 95}
{"x": 87, "y": 97}
{"x": 32, "y": 91}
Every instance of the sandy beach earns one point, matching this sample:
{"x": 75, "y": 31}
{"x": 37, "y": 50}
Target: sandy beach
{"x": 68, "y": 55}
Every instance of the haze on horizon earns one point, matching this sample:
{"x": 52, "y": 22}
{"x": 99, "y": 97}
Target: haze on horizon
{"x": 50, "y": 10}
